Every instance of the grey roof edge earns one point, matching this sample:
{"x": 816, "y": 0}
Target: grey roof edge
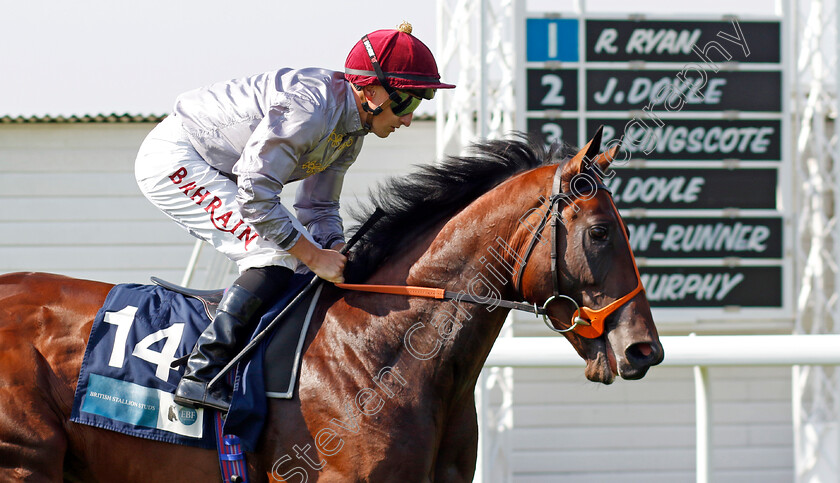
{"x": 86, "y": 118}
{"x": 111, "y": 119}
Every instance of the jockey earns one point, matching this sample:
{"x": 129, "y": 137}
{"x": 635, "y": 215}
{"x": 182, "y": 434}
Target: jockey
{"x": 218, "y": 164}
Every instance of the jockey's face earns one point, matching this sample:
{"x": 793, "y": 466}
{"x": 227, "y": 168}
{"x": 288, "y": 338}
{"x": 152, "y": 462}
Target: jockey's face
{"x": 386, "y": 122}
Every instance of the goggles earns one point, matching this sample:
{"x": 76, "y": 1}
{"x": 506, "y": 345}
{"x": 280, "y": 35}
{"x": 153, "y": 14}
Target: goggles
{"x": 406, "y": 102}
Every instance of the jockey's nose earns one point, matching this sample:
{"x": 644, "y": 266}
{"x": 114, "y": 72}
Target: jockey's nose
{"x": 406, "y": 120}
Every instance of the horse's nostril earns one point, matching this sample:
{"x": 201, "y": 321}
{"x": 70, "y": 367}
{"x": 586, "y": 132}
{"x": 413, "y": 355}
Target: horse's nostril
{"x": 642, "y": 354}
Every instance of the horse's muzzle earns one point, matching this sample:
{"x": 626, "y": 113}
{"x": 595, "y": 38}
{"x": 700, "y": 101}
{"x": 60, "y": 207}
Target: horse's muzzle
{"x": 639, "y": 357}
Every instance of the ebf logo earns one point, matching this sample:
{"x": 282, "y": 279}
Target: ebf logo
{"x": 187, "y": 416}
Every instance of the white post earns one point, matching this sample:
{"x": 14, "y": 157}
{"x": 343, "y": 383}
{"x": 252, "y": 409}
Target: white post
{"x": 443, "y": 98}
{"x": 816, "y": 390}
{"x": 481, "y": 413}
{"x": 483, "y": 80}
{"x": 703, "y": 410}
{"x": 518, "y": 64}
{"x": 190, "y": 270}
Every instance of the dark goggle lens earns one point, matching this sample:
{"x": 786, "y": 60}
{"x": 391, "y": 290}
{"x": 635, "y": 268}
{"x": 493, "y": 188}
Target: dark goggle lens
{"x": 406, "y": 104}
{"x": 423, "y": 93}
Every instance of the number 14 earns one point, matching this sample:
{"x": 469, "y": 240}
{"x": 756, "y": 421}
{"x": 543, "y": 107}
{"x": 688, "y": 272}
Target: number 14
{"x": 162, "y": 360}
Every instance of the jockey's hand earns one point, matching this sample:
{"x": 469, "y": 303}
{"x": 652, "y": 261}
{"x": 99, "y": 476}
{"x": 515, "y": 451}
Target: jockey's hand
{"x": 327, "y": 264}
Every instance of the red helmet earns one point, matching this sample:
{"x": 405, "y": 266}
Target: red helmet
{"x": 394, "y": 59}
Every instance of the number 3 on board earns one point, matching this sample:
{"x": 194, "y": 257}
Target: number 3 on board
{"x": 553, "y": 133}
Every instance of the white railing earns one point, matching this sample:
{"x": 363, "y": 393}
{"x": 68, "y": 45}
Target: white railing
{"x": 699, "y": 352}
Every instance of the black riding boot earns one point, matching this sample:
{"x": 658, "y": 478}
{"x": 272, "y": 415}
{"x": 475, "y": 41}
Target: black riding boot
{"x": 214, "y": 349}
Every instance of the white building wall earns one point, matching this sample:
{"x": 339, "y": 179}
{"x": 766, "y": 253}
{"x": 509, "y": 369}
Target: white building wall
{"x": 569, "y": 430}
{"x": 69, "y": 204}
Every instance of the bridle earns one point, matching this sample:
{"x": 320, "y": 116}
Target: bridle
{"x": 586, "y": 322}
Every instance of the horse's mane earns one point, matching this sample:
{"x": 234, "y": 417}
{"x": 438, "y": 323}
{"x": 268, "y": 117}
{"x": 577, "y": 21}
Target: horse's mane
{"x": 434, "y": 192}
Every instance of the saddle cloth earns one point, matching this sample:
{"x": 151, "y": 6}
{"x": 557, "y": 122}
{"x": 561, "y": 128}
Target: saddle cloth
{"x": 126, "y": 383}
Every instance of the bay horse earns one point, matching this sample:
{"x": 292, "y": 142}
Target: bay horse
{"x": 386, "y": 388}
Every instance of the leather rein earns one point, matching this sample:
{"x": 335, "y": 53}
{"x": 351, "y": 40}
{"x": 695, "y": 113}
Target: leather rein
{"x": 586, "y": 322}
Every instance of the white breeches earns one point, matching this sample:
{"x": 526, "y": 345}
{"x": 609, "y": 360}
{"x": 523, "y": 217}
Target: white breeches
{"x": 176, "y": 179}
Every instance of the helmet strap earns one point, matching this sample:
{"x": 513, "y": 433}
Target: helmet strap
{"x": 367, "y": 122}
{"x": 380, "y": 75}
{"x": 372, "y": 112}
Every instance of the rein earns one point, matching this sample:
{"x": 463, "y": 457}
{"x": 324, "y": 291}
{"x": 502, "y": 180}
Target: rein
{"x": 586, "y": 322}
{"x": 441, "y": 294}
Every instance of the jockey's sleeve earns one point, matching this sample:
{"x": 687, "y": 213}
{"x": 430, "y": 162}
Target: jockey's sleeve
{"x": 280, "y": 141}
{"x": 317, "y": 200}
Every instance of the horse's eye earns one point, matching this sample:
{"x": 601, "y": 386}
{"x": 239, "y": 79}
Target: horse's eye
{"x": 598, "y": 232}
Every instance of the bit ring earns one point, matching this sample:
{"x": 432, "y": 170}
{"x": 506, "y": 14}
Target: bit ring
{"x": 576, "y": 321}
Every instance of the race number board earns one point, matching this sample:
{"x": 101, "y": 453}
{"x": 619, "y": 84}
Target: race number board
{"x": 698, "y": 108}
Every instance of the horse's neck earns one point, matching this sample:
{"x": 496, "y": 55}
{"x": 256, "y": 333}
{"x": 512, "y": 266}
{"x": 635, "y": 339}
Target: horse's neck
{"x": 471, "y": 253}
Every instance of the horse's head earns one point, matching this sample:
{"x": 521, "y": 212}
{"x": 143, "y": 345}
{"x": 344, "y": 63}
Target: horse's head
{"x": 587, "y": 274}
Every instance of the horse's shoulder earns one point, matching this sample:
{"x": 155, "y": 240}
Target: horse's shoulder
{"x": 28, "y": 295}
{"x": 45, "y": 321}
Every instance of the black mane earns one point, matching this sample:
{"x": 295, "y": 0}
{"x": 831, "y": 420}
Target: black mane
{"x": 434, "y": 192}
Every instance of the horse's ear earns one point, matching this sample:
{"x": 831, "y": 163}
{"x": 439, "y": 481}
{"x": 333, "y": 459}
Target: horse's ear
{"x": 604, "y": 159}
{"x": 588, "y": 152}
{"x": 594, "y": 145}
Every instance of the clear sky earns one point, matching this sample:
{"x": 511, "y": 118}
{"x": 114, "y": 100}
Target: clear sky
{"x": 63, "y": 57}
